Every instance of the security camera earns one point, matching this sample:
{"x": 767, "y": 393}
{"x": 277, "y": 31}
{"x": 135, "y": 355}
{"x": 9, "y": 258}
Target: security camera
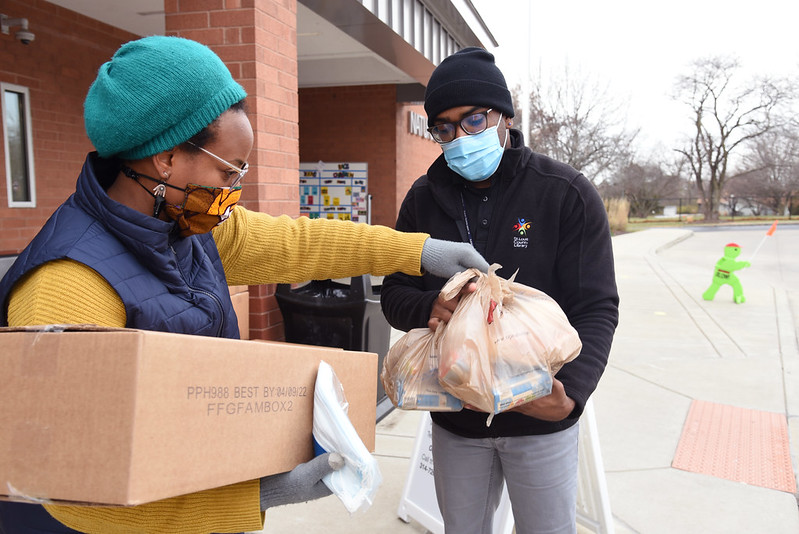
{"x": 22, "y": 35}
{"x": 25, "y": 37}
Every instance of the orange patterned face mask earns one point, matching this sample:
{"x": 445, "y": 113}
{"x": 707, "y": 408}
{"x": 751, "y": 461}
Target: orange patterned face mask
{"x": 203, "y": 208}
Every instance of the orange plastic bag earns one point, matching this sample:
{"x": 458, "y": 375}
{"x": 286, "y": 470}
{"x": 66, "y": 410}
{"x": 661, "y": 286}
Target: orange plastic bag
{"x": 410, "y": 373}
{"x": 503, "y": 343}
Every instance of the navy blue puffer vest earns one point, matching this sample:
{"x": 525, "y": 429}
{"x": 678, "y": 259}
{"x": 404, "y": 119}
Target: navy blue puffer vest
{"x": 167, "y": 283}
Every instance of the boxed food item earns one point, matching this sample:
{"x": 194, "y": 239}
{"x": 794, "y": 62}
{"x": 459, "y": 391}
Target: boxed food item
{"x": 410, "y": 373}
{"x": 123, "y": 417}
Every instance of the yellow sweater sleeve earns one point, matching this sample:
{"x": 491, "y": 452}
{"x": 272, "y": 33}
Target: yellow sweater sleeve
{"x": 257, "y": 248}
{"x": 68, "y": 292}
{"x": 65, "y": 292}
{"x": 234, "y": 508}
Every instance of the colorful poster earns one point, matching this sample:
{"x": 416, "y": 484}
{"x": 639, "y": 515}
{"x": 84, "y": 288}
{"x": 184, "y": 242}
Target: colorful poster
{"x": 334, "y": 191}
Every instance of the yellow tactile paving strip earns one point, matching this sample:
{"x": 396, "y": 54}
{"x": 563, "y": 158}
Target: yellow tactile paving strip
{"x": 738, "y": 444}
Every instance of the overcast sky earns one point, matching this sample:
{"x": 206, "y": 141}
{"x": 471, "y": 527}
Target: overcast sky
{"x": 639, "y": 48}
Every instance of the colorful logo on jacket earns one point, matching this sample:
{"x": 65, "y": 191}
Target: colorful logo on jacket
{"x": 521, "y": 226}
{"x": 520, "y": 230}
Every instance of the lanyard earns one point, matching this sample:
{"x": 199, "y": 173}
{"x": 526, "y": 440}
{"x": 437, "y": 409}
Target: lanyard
{"x": 466, "y": 220}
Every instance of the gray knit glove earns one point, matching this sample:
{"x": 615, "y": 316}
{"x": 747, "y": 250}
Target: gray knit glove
{"x": 303, "y": 483}
{"x": 447, "y": 258}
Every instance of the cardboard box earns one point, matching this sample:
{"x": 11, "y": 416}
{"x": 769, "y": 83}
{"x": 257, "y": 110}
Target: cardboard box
{"x": 122, "y": 417}
{"x": 240, "y": 296}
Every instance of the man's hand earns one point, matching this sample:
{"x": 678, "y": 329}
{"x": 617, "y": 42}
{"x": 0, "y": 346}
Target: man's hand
{"x": 554, "y": 407}
{"x": 442, "y": 309}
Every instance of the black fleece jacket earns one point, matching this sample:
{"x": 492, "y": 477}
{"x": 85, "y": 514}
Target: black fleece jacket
{"x": 548, "y": 222}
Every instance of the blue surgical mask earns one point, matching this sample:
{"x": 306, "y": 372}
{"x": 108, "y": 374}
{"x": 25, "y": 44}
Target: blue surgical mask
{"x": 475, "y": 157}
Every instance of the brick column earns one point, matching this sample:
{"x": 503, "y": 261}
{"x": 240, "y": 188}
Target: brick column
{"x": 257, "y": 39}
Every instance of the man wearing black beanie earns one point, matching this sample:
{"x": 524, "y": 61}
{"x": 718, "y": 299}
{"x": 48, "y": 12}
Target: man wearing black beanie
{"x": 529, "y": 213}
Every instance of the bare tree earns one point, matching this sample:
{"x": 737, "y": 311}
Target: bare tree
{"x": 644, "y": 185}
{"x": 725, "y": 117}
{"x": 772, "y": 175}
{"x": 576, "y": 121}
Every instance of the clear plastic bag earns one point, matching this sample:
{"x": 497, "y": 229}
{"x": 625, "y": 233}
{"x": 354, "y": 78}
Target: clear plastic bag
{"x": 410, "y": 373}
{"x": 503, "y": 343}
{"x": 356, "y": 483}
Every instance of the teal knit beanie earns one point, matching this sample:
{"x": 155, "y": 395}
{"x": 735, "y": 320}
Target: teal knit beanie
{"x": 154, "y": 94}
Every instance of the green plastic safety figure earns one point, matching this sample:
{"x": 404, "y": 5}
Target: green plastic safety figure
{"x": 724, "y": 274}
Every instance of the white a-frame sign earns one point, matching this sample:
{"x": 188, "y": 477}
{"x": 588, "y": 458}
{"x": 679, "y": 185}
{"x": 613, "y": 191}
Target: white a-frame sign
{"x": 593, "y": 505}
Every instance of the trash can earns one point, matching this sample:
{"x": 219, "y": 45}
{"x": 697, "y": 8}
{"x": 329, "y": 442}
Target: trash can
{"x": 342, "y": 313}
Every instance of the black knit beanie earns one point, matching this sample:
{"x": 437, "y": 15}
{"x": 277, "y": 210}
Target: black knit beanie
{"x": 468, "y": 77}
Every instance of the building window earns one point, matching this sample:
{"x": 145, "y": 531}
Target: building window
{"x": 18, "y": 141}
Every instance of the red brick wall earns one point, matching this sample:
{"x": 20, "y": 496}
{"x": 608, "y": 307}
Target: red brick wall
{"x": 57, "y": 67}
{"x": 354, "y": 124}
{"x": 414, "y": 153}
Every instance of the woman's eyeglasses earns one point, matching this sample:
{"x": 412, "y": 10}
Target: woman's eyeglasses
{"x": 472, "y": 125}
{"x": 240, "y": 171}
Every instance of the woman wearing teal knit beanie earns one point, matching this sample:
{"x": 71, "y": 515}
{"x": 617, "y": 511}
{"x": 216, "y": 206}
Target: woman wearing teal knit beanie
{"x": 140, "y": 244}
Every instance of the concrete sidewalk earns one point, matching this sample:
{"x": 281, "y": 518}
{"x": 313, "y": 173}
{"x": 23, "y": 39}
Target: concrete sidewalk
{"x": 671, "y": 349}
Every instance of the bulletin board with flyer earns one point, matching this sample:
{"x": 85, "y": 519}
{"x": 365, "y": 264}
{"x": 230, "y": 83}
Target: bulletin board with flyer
{"x": 335, "y": 190}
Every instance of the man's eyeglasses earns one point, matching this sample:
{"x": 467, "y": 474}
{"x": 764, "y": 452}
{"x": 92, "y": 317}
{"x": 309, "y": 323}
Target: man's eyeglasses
{"x": 240, "y": 171}
{"x": 472, "y": 125}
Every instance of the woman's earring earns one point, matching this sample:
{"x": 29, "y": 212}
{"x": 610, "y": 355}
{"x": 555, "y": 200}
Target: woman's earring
{"x": 159, "y": 192}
